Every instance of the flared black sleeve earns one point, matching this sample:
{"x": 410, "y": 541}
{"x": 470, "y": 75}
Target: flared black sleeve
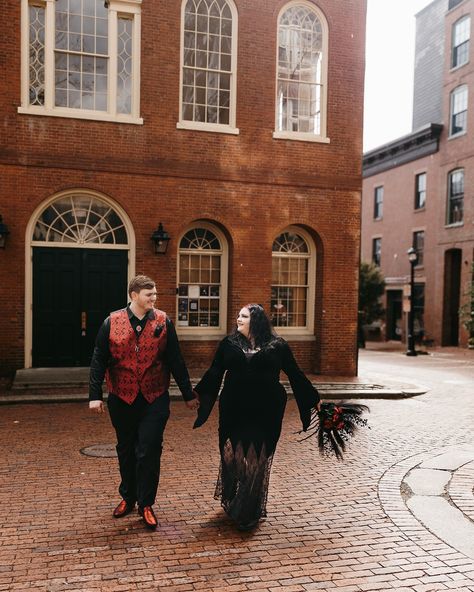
{"x": 305, "y": 394}
{"x": 209, "y": 386}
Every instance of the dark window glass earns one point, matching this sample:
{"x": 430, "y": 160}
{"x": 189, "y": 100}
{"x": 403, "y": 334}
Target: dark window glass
{"x": 419, "y": 245}
{"x": 420, "y": 191}
{"x": 456, "y": 196}
{"x": 376, "y": 250}
{"x": 461, "y": 33}
{"x": 378, "y": 202}
{"x": 458, "y": 110}
{"x": 418, "y": 310}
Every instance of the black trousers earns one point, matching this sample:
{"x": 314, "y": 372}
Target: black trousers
{"x": 139, "y": 428}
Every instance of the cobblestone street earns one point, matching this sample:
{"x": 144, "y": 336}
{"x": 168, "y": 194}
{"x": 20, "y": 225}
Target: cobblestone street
{"x": 379, "y": 520}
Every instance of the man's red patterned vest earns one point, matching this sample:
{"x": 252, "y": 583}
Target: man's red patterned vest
{"x": 137, "y": 365}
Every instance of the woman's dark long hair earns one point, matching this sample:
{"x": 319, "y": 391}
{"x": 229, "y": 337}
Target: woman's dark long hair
{"x": 260, "y": 330}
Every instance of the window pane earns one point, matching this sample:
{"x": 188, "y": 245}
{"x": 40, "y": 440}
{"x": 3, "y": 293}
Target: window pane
{"x": 79, "y": 218}
{"x": 199, "y": 287}
{"x": 36, "y": 54}
{"x": 299, "y": 71}
{"x": 80, "y": 77}
{"x": 124, "y": 65}
{"x": 207, "y": 39}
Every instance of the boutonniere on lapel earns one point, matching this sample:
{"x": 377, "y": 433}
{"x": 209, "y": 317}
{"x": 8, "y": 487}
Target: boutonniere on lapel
{"x": 158, "y": 330}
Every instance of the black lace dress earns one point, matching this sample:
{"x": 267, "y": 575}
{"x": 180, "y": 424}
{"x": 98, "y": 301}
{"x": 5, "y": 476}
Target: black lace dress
{"x": 251, "y": 408}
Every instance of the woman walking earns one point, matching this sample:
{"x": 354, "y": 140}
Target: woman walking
{"x": 251, "y": 408}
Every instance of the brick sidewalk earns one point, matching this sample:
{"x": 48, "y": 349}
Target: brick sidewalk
{"x": 326, "y": 528}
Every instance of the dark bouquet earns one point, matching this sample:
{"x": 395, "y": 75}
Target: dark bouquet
{"x": 334, "y": 425}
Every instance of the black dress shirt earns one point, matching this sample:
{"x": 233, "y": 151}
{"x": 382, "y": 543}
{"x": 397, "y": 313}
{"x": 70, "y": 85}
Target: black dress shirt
{"x": 172, "y": 357}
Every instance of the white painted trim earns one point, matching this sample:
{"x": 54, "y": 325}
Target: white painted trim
{"x": 24, "y": 52}
{"x": 207, "y": 127}
{"x": 29, "y": 244}
{"x": 136, "y": 67}
{"x": 322, "y": 137}
{"x": 207, "y": 333}
{"x": 112, "y": 72}
{"x": 296, "y": 336}
{"x": 126, "y": 7}
{"x": 79, "y": 114}
{"x": 300, "y": 137}
{"x": 211, "y": 127}
{"x": 294, "y": 332}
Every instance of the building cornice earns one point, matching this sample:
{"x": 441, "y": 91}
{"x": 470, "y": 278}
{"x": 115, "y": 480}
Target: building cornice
{"x": 418, "y": 144}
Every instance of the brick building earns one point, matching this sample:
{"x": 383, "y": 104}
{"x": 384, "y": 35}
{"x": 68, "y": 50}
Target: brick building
{"x": 235, "y": 124}
{"x": 417, "y": 190}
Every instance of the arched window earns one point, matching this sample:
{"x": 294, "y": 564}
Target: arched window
{"x": 301, "y": 73}
{"x": 78, "y": 220}
{"x": 202, "y": 281}
{"x": 208, "y": 69}
{"x": 293, "y": 278}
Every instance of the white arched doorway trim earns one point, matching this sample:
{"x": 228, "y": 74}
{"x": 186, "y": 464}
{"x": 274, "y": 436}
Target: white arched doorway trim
{"x": 30, "y": 243}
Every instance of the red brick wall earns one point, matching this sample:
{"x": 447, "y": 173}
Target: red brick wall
{"x": 251, "y": 185}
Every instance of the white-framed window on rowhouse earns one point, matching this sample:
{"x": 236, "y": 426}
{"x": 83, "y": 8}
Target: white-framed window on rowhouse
{"x": 458, "y": 111}
{"x": 208, "y": 80}
{"x": 293, "y": 282}
{"x": 302, "y": 65}
{"x": 202, "y": 281}
{"x": 419, "y": 245}
{"x": 461, "y": 34}
{"x": 420, "y": 191}
{"x": 378, "y": 203}
{"x": 455, "y": 209}
{"x": 377, "y": 250}
{"x": 81, "y": 59}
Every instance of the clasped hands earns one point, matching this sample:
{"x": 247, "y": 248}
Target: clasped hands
{"x": 98, "y": 406}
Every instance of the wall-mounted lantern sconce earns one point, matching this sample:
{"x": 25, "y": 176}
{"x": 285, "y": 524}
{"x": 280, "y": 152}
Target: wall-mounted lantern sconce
{"x": 161, "y": 239}
{"x": 4, "y": 232}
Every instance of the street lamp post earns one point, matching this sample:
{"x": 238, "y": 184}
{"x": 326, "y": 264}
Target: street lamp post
{"x": 413, "y": 259}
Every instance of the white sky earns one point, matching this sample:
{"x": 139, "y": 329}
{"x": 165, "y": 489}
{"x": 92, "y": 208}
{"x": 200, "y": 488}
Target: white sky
{"x": 389, "y": 69}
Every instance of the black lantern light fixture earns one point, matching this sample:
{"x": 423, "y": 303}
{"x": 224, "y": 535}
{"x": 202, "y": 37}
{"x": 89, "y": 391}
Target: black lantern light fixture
{"x": 161, "y": 239}
{"x": 4, "y": 232}
{"x": 413, "y": 259}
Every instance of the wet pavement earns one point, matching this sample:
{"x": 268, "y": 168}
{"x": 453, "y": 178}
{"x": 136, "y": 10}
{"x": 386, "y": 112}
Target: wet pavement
{"x": 396, "y": 514}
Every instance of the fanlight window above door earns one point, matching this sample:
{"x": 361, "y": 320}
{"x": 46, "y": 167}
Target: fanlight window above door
{"x": 80, "y": 220}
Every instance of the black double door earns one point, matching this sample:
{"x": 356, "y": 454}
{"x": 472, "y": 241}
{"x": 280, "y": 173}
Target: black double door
{"x": 73, "y": 291}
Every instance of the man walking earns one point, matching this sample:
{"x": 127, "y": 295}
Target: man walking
{"x": 136, "y": 349}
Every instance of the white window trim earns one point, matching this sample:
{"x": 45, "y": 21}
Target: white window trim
{"x": 452, "y": 96}
{"x": 322, "y": 138}
{"x": 116, "y": 8}
{"x": 201, "y": 126}
{"x": 207, "y": 127}
{"x": 453, "y": 27}
{"x": 449, "y": 198}
{"x": 304, "y": 333}
{"x": 207, "y": 333}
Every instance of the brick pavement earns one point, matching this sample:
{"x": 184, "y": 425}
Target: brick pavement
{"x": 331, "y": 526}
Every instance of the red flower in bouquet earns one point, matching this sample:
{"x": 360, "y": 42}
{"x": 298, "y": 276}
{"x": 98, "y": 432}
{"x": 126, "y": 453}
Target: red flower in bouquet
{"x": 335, "y": 424}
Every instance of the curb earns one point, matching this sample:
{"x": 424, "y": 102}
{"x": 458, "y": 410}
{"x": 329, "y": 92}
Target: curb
{"x": 327, "y": 391}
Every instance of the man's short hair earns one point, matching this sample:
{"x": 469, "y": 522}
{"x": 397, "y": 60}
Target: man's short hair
{"x": 140, "y": 282}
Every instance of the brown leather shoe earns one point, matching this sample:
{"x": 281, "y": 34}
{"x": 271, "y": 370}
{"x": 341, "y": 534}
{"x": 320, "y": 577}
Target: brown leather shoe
{"x": 123, "y": 509}
{"x": 148, "y": 517}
